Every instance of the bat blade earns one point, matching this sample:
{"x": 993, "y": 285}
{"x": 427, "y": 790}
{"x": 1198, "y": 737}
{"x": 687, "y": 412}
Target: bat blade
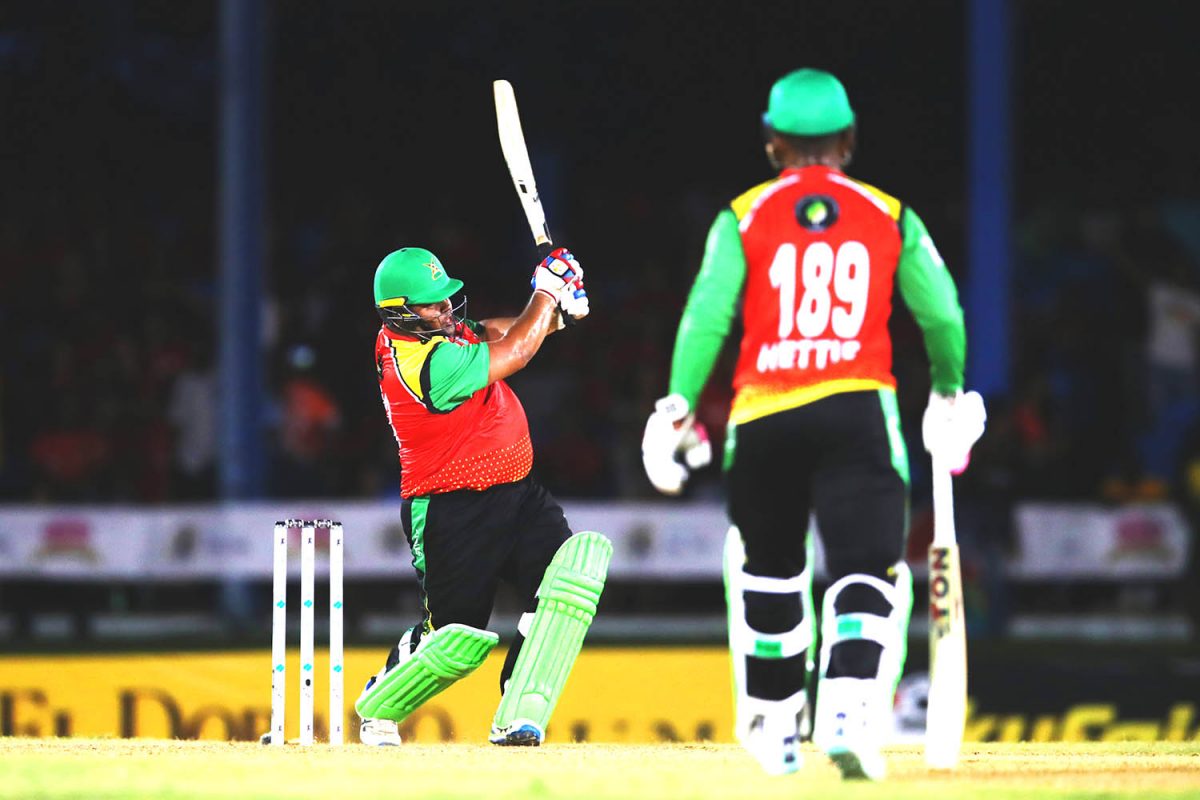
{"x": 946, "y": 712}
{"x": 947, "y": 709}
{"x": 516, "y": 155}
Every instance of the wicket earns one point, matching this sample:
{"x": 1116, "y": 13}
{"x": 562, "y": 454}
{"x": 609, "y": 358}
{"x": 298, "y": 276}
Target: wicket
{"x": 308, "y": 552}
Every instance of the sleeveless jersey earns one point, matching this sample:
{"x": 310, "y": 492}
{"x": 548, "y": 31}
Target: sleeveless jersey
{"x": 453, "y": 429}
{"x": 821, "y": 251}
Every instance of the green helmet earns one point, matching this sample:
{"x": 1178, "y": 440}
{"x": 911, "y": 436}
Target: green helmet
{"x": 412, "y": 276}
{"x": 808, "y": 102}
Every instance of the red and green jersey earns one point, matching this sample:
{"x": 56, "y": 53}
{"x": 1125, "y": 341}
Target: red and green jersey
{"x": 813, "y": 255}
{"x": 454, "y": 430}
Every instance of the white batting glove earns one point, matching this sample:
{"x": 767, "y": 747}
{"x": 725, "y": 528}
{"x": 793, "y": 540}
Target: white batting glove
{"x": 556, "y": 275}
{"x": 951, "y": 426}
{"x": 575, "y": 303}
{"x": 672, "y": 433}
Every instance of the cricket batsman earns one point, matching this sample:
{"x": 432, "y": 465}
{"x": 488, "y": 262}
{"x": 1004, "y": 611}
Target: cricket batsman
{"x": 809, "y": 260}
{"x": 471, "y": 511}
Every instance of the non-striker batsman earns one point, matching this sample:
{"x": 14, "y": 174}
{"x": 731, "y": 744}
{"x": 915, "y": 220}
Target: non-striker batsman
{"x": 472, "y": 512}
{"x": 809, "y": 260}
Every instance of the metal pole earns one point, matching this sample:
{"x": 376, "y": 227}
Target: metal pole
{"x": 989, "y": 197}
{"x": 240, "y": 218}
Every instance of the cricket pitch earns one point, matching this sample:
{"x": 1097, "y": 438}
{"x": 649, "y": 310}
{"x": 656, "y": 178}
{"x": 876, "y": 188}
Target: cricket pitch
{"x": 143, "y": 768}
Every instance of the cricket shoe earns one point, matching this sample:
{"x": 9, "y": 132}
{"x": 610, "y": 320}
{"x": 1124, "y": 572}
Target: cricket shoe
{"x": 771, "y": 731}
{"x": 379, "y": 733}
{"x": 850, "y": 726}
{"x": 521, "y": 733}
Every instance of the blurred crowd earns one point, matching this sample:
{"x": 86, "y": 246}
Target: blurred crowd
{"x": 109, "y": 382}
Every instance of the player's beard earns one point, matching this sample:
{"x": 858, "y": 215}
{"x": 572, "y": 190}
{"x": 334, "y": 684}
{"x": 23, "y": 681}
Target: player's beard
{"x": 440, "y": 327}
{"x": 446, "y": 324}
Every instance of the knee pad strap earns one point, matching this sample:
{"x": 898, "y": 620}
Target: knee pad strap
{"x": 889, "y": 632}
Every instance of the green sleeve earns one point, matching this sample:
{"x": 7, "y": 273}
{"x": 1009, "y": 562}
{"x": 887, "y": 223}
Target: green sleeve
{"x": 453, "y": 373}
{"x": 710, "y": 308}
{"x": 929, "y": 292}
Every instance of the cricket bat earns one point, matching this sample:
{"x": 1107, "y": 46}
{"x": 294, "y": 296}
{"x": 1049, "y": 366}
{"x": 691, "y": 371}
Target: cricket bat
{"x": 516, "y": 155}
{"x": 946, "y": 713}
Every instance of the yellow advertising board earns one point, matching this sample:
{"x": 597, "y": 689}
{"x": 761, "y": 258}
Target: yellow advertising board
{"x": 614, "y": 695}
{"x": 619, "y": 694}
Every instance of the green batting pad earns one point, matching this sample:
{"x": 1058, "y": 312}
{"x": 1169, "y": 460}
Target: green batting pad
{"x": 567, "y": 600}
{"x": 442, "y": 657}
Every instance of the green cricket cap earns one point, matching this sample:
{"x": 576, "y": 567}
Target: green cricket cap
{"x": 808, "y": 102}
{"x": 412, "y": 275}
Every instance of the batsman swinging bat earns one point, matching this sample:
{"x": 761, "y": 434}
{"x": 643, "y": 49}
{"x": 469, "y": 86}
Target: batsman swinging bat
{"x": 516, "y": 155}
{"x": 947, "y": 709}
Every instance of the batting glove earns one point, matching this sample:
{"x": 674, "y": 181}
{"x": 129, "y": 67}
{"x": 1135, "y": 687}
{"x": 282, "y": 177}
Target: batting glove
{"x": 557, "y": 274}
{"x": 673, "y": 444}
{"x": 575, "y": 303}
{"x": 951, "y": 426}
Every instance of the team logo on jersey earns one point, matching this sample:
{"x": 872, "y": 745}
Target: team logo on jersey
{"x": 435, "y": 270}
{"x": 816, "y": 212}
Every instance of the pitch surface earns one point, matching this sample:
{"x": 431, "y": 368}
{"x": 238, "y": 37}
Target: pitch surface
{"x": 114, "y": 768}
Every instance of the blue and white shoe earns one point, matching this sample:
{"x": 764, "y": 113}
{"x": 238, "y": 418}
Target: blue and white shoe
{"x": 770, "y": 731}
{"x": 521, "y": 733}
{"x": 852, "y": 718}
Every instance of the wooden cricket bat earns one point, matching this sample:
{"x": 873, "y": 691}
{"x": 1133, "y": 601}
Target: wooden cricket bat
{"x": 947, "y": 709}
{"x": 516, "y": 155}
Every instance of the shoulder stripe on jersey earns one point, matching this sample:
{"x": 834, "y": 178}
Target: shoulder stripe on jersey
{"x": 761, "y": 194}
{"x": 741, "y": 204}
{"x": 408, "y": 365}
{"x": 426, "y": 384}
{"x": 882, "y": 200}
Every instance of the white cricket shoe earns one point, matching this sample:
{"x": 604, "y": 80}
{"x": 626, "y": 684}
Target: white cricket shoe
{"x": 379, "y": 733}
{"x": 771, "y": 731}
{"x": 850, "y": 726}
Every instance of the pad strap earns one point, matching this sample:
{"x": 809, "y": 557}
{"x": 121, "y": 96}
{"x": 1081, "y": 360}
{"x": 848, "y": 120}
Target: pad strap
{"x": 889, "y": 632}
{"x": 745, "y": 640}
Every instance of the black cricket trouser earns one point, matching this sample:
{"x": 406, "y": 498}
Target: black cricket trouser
{"x": 842, "y": 456}
{"x": 465, "y": 542}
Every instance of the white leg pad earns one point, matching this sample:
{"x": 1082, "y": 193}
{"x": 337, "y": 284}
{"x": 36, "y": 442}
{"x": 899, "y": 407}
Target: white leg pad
{"x": 853, "y": 714}
{"x": 770, "y": 729}
{"x": 745, "y": 640}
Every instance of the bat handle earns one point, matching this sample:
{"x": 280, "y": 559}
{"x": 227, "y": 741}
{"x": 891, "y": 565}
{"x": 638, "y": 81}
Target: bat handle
{"x": 544, "y": 250}
{"x": 944, "y": 532}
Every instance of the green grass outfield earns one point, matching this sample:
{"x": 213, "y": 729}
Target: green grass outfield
{"x": 140, "y": 768}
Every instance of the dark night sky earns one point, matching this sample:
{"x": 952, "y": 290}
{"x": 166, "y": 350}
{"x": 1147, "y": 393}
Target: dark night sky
{"x": 642, "y": 102}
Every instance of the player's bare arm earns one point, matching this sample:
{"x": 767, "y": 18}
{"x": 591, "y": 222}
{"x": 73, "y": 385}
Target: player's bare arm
{"x": 495, "y": 328}
{"x": 520, "y": 341}
{"x": 557, "y": 284}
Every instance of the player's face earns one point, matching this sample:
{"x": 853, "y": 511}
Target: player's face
{"x": 436, "y": 317}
